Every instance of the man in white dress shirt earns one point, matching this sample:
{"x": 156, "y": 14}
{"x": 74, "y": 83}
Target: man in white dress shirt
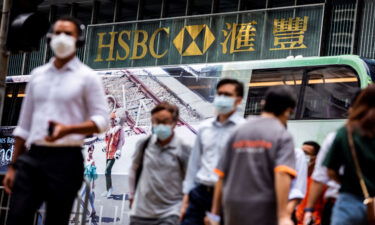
{"x": 65, "y": 101}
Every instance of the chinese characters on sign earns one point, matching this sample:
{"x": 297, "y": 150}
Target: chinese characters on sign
{"x": 289, "y": 33}
{"x": 241, "y": 37}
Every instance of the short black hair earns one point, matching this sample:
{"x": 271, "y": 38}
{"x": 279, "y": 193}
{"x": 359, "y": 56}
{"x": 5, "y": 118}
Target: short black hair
{"x": 314, "y": 144}
{"x": 167, "y": 106}
{"x": 238, "y": 85}
{"x": 78, "y": 24}
{"x": 278, "y": 99}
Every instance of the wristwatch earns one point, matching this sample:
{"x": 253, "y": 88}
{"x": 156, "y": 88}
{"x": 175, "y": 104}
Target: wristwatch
{"x": 308, "y": 210}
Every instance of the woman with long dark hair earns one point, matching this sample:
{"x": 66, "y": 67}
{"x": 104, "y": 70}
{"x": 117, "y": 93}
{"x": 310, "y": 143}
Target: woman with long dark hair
{"x": 360, "y": 131}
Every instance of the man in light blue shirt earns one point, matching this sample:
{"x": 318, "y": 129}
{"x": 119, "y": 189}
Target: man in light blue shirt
{"x": 212, "y": 136}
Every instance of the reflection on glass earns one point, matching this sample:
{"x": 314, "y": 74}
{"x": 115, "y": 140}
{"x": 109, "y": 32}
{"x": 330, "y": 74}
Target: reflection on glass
{"x": 261, "y": 80}
{"x": 328, "y": 93}
{"x": 14, "y": 95}
{"x": 322, "y": 92}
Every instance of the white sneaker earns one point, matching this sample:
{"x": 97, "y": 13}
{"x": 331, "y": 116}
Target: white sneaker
{"x": 109, "y": 193}
{"x": 104, "y": 194}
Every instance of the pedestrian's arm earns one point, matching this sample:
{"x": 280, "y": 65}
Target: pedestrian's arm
{"x": 19, "y": 149}
{"x": 284, "y": 171}
{"x": 316, "y": 191}
{"x": 61, "y": 130}
{"x": 193, "y": 165}
{"x": 21, "y": 134}
{"x": 221, "y": 171}
{"x": 218, "y": 193}
{"x": 213, "y": 218}
{"x": 282, "y": 187}
{"x": 96, "y": 103}
{"x": 334, "y": 159}
{"x": 334, "y": 175}
{"x": 292, "y": 204}
{"x": 22, "y": 131}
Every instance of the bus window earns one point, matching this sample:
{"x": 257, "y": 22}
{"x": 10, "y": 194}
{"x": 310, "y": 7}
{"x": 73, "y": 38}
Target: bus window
{"x": 328, "y": 93}
{"x": 322, "y": 92}
{"x": 261, "y": 80}
{"x": 12, "y": 104}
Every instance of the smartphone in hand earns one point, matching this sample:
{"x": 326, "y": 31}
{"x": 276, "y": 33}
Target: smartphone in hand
{"x": 51, "y": 128}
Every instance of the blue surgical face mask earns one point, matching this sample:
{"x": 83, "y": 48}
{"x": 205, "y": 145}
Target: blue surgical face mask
{"x": 162, "y": 131}
{"x": 224, "y": 104}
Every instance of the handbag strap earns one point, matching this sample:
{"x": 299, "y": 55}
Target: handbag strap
{"x": 356, "y": 163}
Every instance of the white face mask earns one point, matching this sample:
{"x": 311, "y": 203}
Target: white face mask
{"x": 63, "y": 45}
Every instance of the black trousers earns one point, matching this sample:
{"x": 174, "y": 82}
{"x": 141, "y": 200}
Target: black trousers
{"x": 46, "y": 174}
{"x": 200, "y": 201}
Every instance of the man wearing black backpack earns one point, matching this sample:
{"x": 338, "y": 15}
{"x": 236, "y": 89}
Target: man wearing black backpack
{"x": 158, "y": 170}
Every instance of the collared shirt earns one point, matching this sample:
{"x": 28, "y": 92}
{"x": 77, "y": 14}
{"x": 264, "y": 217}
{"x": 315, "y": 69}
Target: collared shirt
{"x": 159, "y": 190}
{"x": 299, "y": 184}
{"x": 254, "y": 153}
{"x": 320, "y": 171}
{"x": 70, "y": 95}
{"x": 211, "y": 139}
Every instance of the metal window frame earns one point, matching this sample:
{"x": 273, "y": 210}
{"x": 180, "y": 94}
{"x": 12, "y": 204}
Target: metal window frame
{"x": 206, "y": 15}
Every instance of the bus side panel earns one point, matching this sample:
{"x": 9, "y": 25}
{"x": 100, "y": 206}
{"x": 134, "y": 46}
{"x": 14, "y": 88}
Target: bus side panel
{"x": 312, "y": 130}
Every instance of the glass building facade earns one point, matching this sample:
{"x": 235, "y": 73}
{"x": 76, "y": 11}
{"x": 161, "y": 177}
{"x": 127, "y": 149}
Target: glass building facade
{"x": 348, "y": 25}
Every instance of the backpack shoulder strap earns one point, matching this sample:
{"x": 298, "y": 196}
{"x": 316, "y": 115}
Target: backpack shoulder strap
{"x": 142, "y": 150}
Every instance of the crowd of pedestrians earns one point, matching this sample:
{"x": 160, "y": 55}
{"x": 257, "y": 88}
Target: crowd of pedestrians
{"x": 248, "y": 171}
{"x": 239, "y": 171}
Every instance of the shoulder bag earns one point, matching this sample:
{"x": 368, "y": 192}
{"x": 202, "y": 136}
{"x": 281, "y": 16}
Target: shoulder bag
{"x": 369, "y": 201}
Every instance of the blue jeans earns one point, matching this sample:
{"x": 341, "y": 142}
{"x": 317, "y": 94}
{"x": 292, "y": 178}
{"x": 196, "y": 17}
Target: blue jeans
{"x": 349, "y": 210}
